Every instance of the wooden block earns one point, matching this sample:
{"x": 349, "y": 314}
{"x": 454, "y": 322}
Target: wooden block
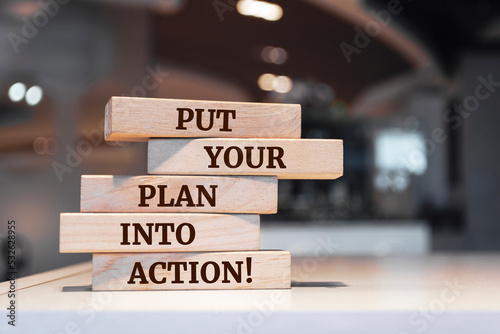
{"x": 285, "y": 158}
{"x": 157, "y": 232}
{"x": 191, "y": 271}
{"x": 137, "y": 119}
{"x": 195, "y": 194}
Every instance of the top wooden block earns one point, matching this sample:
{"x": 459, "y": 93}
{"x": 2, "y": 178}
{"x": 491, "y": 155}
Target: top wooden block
{"x": 137, "y": 119}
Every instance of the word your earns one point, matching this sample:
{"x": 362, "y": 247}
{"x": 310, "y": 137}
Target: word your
{"x": 186, "y": 115}
{"x": 275, "y": 155}
{"x": 164, "y": 227}
{"x": 149, "y": 192}
{"x": 209, "y": 272}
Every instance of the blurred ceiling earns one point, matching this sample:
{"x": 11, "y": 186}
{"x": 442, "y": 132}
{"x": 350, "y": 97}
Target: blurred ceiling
{"x": 448, "y": 28}
{"x": 196, "y": 36}
{"x": 226, "y": 50}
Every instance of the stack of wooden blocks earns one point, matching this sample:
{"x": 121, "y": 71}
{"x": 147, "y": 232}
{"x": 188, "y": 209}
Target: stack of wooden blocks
{"x": 193, "y": 223}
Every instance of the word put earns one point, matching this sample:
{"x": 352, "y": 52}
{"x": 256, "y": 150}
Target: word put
{"x": 186, "y": 115}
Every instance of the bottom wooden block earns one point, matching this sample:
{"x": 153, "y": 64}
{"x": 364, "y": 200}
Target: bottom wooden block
{"x": 192, "y": 271}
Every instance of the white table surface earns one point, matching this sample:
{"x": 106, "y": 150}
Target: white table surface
{"x": 429, "y": 294}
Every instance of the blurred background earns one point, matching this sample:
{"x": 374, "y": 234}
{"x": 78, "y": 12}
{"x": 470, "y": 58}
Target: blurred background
{"x": 412, "y": 87}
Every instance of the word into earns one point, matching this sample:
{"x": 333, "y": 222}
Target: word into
{"x": 164, "y": 230}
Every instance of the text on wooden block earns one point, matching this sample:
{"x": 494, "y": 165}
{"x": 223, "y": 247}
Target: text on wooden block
{"x": 157, "y": 232}
{"x": 180, "y": 271}
{"x": 154, "y": 193}
{"x": 285, "y": 158}
{"x": 137, "y": 119}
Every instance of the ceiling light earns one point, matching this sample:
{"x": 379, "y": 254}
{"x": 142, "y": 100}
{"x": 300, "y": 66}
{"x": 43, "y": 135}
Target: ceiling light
{"x": 34, "y": 95}
{"x": 17, "y": 91}
{"x": 282, "y": 84}
{"x": 265, "y": 81}
{"x": 274, "y": 55}
{"x": 261, "y": 9}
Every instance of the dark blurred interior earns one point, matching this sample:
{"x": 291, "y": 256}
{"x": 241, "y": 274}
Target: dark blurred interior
{"x": 412, "y": 87}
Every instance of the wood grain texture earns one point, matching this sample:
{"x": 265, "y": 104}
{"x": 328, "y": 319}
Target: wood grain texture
{"x": 137, "y": 119}
{"x": 284, "y": 158}
{"x": 191, "y": 271}
{"x": 165, "y": 232}
{"x": 114, "y": 193}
